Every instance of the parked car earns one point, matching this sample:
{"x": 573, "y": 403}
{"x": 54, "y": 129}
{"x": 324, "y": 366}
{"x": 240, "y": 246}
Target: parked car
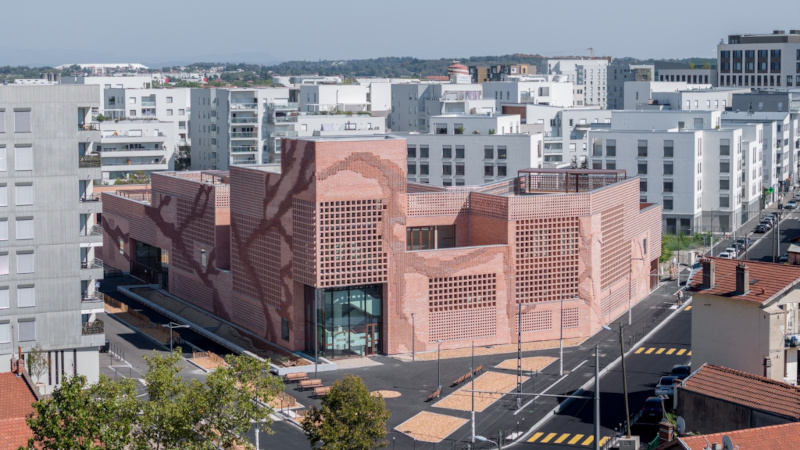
{"x": 746, "y": 242}
{"x": 767, "y": 225}
{"x": 726, "y": 255}
{"x": 732, "y": 251}
{"x": 681, "y": 371}
{"x": 783, "y": 260}
{"x": 666, "y": 385}
{"x": 653, "y": 410}
{"x": 768, "y": 219}
{"x": 760, "y": 228}
{"x": 791, "y": 204}
{"x": 739, "y": 247}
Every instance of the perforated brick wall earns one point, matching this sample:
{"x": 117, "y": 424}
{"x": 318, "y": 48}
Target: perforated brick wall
{"x": 546, "y": 259}
{"x": 463, "y": 324}
{"x": 304, "y": 240}
{"x": 571, "y": 317}
{"x": 616, "y": 252}
{"x": 535, "y": 321}
{"x": 462, "y": 292}
{"x": 438, "y": 203}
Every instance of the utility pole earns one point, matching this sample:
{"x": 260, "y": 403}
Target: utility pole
{"x": 472, "y": 371}
{"x": 519, "y": 354}
{"x": 596, "y": 397}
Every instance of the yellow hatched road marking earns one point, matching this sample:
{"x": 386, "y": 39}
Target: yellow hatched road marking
{"x": 670, "y": 351}
{"x": 561, "y": 439}
{"x": 688, "y": 308}
{"x": 660, "y": 351}
{"x": 548, "y": 438}
{"x": 535, "y": 437}
{"x": 588, "y": 440}
{"x": 575, "y": 439}
{"x": 681, "y": 351}
{"x": 640, "y": 350}
{"x": 649, "y": 350}
{"x": 689, "y": 354}
{"x": 604, "y": 440}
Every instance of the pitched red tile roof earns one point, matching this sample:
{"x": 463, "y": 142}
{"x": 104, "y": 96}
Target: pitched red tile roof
{"x": 746, "y": 389}
{"x": 766, "y": 279}
{"x": 775, "y": 437}
{"x": 17, "y": 400}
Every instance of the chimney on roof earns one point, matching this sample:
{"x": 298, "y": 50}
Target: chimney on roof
{"x": 709, "y": 274}
{"x": 742, "y": 279}
{"x": 716, "y": 446}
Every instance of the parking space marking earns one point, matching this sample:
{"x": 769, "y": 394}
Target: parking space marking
{"x": 535, "y": 437}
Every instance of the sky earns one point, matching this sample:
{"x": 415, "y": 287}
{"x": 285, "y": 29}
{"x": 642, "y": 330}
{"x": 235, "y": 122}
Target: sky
{"x": 265, "y": 31}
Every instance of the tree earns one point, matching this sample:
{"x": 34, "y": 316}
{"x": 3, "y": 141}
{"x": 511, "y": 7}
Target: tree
{"x": 38, "y": 365}
{"x": 349, "y": 418}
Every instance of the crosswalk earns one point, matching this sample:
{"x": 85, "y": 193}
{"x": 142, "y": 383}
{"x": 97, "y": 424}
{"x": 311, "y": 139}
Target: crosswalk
{"x": 565, "y": 439}
{"x": 663, "y": 351}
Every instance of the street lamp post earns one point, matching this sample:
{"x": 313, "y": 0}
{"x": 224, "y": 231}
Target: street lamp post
{"x": 624, "y": 378}
{"x": 561, "y": 339}
{"x": 480, "y": 438}
{"x": 172, "y": 326}
{"x": 439, "y": 364}
{"x": 413, "y": 334}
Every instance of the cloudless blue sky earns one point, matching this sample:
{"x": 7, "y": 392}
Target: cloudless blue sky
{"x": 57, "y": 31}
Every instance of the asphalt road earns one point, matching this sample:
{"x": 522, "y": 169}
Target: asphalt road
{"x": 574, "y": 427}
{"x": 761, "y": 249}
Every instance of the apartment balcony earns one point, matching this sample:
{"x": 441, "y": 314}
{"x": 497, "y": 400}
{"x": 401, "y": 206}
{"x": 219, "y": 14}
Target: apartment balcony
{"x": 550, "y": 136}
{"x": 152, "y": 138}
{"x": 236, "y": 162}
{"x": 91, "y": 235}
{"x": 791, "y": 340}
{"x": 92, "y": 269}
{"x": 244, "y": 106}
{"x": 253, "y": 120}
{"x": 90, "y": 204}
{"x": 244, "y": 135}
{"x": 244, "y": 149}
{"x": 89, "y": 167}
{"x": 148, "y": 104}
{"x": 95, "y": 327}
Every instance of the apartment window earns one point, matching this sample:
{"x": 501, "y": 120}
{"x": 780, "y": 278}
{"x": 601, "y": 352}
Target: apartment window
{"x": 2, "y": 121}
{"x": 169, "y": 99}
{"x": 23, "y": 158}
{"x": 501, "y": 171}
{"x": 132, "y": 113}
{"x": 4, "y": 230}
{"x": 459, "y": 182}
{"x": 488, "y": 170}
{"x": 4, "y": 298}
{"x": 284, "y": 329}
{"x": 611, "y": 147}
{"x": 724, "y": 166}
{"x": 24, "y": 194}
{"x": 447, "y": 151}
{"x": 668, "y": 186}
{"x": 423, "y": 151}
{"x": 22, "y": 121}
{"x": 423, "y": 169}
{"x": 181, "y": 112}
{"x": 25, "y": 262}
{"x": 501, "y": 152}
{"x": 5, "y": 331}
{"x": 597, "y": 164}
{"x": 447, "y": 169}
{"x": 3, "y": 195}
{"x": 411, "y": 151}
{"x": 642, "y": 185}
{"x": 667, "y": 204}
{"x": 169, "y": 112}
{"x": 724, "y": 147}
{"x": 459, "y": 169}
{"x": 775, "y": 53}
{"x": 668, "y": 168}
{"x": 488, "y": 152}
{"x": 642, "y": 168}
{"x": 132, "y": 100}
{"x": 724, "y": 201}
{"x": 642, "y": 148}
{"x": 724, "y": 184}
{"x": 412, "y": 169}
{"x": 597, "y": 148}
{"x": 24, "y": 228}
{"x": 27, "y": 330}
{"x": 459, "y": 152}
{"x": 5, "y": 262}
{"x": 26, "y": 296}
{"x": 699, "y": 185}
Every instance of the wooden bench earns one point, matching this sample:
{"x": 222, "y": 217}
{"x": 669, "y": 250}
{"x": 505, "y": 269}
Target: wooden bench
{"x": 310, "y": 384}
{"x": 320, "y": 391}
{"x": 478, "y": 369}
{"x": 436, "y": 394}
{"x": 299, "y": 376}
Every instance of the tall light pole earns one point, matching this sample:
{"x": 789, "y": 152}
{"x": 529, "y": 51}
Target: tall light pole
{"x": 597, "y": 397}
{"x": 624, "y": 378}
{"x": 438, "y": 364}
{"x": 172, "y": 326}
{"x": 413, "y": 334}
{"x": 472, "y": 376}
{"x": 630, "y": 289}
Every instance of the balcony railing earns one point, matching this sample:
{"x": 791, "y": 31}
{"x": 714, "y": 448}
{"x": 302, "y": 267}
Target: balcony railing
{"x": 95, "y": 327}
{"x": 244, "y": 120}
{"x": 244, "y": 105}
{"x": 243, "y": 149}
{"x": 91, "y": 198}
{"x": 244, "y": 134}
{"x": 92, "y": 298}
{"x": 95, "y": 263}
{"x": 85, "y": 161}
{"x": 94, "y": 230}
{"x": 792, "y": 340}
{"x": 88, "y": 127}
{"x": 248, "y": 161}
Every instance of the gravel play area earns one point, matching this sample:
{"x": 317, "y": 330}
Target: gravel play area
{"x": 489, "y": 381}
{"x": 430, "y": 427}
{"x": 533, "y": 364}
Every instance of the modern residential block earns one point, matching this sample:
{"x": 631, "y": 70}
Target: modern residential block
{"x": 48, "y": 229}
{"x": 333, "y": 249}
{"x": 590, "y": 75}
{"x": 760, "y": 60}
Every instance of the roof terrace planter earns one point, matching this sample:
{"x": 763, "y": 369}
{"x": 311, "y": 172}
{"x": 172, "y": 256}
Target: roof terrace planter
{"x": 95, "y": 327}
{"x": 86, "y": 161}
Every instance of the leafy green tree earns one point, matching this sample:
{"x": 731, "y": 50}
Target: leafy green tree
{"x": 349, "y": 418}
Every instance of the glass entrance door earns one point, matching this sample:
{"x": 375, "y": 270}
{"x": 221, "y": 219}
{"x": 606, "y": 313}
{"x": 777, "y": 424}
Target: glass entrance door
{"x": 372, "y": 343}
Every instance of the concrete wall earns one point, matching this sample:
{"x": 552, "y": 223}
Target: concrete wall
{"x": 694, "y": 408}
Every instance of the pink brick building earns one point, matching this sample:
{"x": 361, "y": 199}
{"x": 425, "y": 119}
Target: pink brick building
{"x": 337, "y": 229}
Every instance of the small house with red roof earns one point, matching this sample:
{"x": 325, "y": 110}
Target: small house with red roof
{"x": 17, "y": 398}
{"x": 745, "y": 317}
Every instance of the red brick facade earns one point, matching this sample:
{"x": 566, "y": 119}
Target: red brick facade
{"x": 336, "y": 214}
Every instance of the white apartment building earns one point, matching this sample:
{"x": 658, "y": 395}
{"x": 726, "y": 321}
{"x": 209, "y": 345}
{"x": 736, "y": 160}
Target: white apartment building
{"x": 619, "y": 74}
{"x": 284, "y": 122}
{"x": 166, "y": 105}
{"x": 466, "y": 150}
{"x": 706, "y": 177}
{"x": 121, "y": 81}
{"x": 227, "y": 125}
{"x": 564, "y": 129}
{"x": 130, "y": 146}
{"x": 678, "y": 95}
{"x": 689, "y": 76}
{"x": 544, "y": 90}
{"x": 48, "y": 229}
{"x": 414, "y": 104}
{"x": 760, "y": 60}
{"x": 372, "y": 97}
{"x": 588, "y": 74}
